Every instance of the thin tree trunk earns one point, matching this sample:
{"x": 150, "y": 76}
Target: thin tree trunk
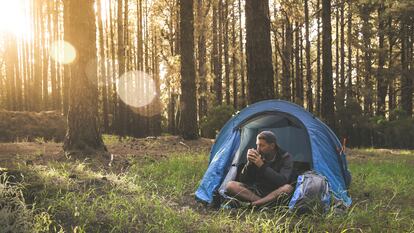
{"x": 391, "y": 88}
{"x": 234, "y": 58}
{"x": 36, "y": 89}
{"x": 318, "y": 61}
{"x": 349, "y": 93}
{"x": 216, "y": 59}
{"x": 287, "y": 51}
{"x": 327, "y": 110}
{"x": 66, "y": 68}
{"x": 406, "y": 79}
{"x": 309, "y": 96}
{"x": 381, "y": 80}
{"x": 45, "y": 65}
{"x": 102, "y": 74}
{"x": 341, "y": 91}
{"x": 276, "y": 62}
{"x": 202, "y": 60}
{"x": 226, "y": 50}
{"x": 297, "y": 87}
{"x": 337, "y": 77}
{"x": 11, "y": 68}
{"x": 121, "y": 67}
{"x": 242, "y": 71}
{"x": 366, "y": 35}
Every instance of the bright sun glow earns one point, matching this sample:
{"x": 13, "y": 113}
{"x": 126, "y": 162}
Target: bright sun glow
{"x": 14, "y": 18}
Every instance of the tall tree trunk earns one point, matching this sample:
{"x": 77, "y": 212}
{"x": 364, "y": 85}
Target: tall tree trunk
{"x": 11, "y": 71}
{"x": 286, "y": 61}
{"x": 381, "y": 80}
{"x": 234, "y": 58}
{"x": 36, "y": 89}
{"x": 66, "y": 68}
{"x": 392, "y": 100}
{"x": 216, "y": 59}
{"x": 202, "y": 71}
{"x": 259, "y": 51}
{"x": 318, "y": 61}
{"x": 189, "y": 128}
{"x": 406, "y": 78}
{"x": 45, "y": 63}
{"x": 341, "y": 91}
{"x": 102, "y": 73}
{"x": 121, "y": 66}
{"x": 226, "y": 50}
{"x": 113, "y": 74}
{"x": 349, "y": 93}
{"x": 242, "y": 72}
{"x": 276, "y": 51}
{"x": 309, "y": 96}
{"x": 220, "y": 48}
{"x": 337, "y": 77}
{"x": 156, "y": 122}
{"x": 297, "y": 87}
{"x": 82, "y": 133}
{"x": 327, "y": 110}
{"x": 366, "y": 35}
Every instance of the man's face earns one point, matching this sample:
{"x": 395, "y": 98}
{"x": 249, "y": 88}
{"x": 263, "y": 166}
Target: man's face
{"x": 263, "y": 147}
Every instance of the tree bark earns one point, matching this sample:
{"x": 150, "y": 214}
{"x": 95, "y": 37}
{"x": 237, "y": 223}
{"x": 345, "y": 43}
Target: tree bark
{"x": 287, "y": 51}
{"x": 226, "y": 50}
{"x": 242, "y": 70}
{"x": 327, "y": 110}
{"x": 381, "y": 80}
{"x": 11, "y": 71}
{"x": 309, "y": 95}
{"x": 82, "y": 133}
{"x": 349, "y": 93}
{"x": 216, "y": 59}
{"x": 406, "y": 79}
{"x": 366, "y": 36}
{"x": 234, "y": 58}
{"x": 259, "y": 51}
{"x": 392, "y": 100}
{"x": 202, "y": 51}
{"x": 297, "y": 87}
{"x": 189, "y": 128}
{"x": 341, "y": 90}
{"x": 318, "y": 61}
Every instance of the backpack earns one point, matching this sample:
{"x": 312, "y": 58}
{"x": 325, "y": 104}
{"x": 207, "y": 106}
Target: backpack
{"x": 311, "y": 194}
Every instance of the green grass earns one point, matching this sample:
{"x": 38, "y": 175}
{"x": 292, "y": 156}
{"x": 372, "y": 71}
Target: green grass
{"x": 157, "y": 196}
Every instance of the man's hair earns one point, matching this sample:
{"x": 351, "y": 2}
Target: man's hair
{"x": 268, "y": 136}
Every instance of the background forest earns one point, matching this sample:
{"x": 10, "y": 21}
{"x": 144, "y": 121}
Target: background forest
{"x": 152, "y": 76}
{"x": 143, "y": 68}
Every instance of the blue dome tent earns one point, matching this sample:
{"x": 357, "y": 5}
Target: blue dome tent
{"x": 312, "y": 144}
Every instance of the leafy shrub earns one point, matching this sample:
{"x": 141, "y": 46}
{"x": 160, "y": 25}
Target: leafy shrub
{"x": 377, "y": 131}
{"x": 216, "y": 117}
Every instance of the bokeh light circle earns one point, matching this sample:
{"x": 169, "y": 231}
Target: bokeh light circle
{"x": 62, "y": 52}
{"x": 136, "y": 89}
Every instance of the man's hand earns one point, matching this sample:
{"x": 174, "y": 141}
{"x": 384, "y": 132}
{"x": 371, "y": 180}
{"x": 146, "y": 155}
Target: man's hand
{"x": 254, "y": 157}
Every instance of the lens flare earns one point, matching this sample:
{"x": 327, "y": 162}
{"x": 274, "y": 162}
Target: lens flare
{"x": 62, "y": 52}
{"x": 136, "y": 89}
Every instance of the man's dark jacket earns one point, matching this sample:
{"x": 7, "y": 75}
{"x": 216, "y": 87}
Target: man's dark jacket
{"x": 271, "y": 175}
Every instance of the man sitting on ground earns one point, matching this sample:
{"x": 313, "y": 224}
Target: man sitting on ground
{"x": 265, "y": 177}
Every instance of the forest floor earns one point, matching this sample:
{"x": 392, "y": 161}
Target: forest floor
{"x": 150, "y": 183}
